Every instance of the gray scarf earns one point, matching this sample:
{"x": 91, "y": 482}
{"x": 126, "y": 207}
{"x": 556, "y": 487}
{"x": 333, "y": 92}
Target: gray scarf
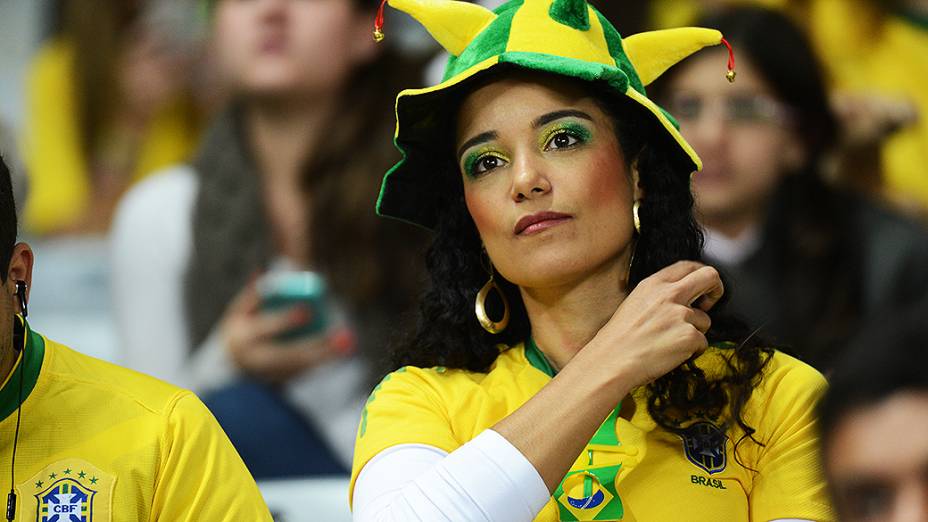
{"x": 228, "y": 217}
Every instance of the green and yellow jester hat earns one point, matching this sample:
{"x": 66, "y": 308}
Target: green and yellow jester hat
{"x": 564, "y": 37}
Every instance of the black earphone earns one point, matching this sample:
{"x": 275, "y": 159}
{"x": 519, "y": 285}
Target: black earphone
{"x": 21, "y": 287}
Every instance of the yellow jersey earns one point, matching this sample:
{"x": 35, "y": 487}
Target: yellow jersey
{"x": 60, "y": 184}
{"x": 100, "y": 443}
{"x": 635, "y": 470}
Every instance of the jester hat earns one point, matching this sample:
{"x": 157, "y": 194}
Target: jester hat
{"x": 564, "y": 37}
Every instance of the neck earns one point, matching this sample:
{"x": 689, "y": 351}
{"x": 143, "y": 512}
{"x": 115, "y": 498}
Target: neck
{"x": 282, "y": 133}
{"x": 565, "y": 318}
{"x": 8, "y": 355}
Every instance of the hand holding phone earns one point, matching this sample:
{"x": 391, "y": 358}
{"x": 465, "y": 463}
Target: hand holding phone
{"x": 280, "y": 290}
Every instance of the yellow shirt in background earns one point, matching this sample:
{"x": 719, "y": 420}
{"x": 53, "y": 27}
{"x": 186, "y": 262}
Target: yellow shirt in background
{"x": 658, "y": 475}
{"x": 56, "y": 164}
{"x": 867, "y": 51}
{"x": 109, "y": 444}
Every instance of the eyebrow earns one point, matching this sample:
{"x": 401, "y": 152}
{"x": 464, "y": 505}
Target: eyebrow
{"x": 483, "y": 137}
{"x": 556, "y": 115}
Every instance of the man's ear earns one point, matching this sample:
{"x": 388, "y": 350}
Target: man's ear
{"x": 20, "y": 269}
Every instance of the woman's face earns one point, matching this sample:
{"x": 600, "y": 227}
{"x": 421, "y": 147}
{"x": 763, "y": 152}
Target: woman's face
{"x": 274, "y": 47}
{"x": 545, "y": 181}
{"x": 743, "y": 134}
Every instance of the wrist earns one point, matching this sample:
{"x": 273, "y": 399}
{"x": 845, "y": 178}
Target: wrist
{"x": 603, "y": 370}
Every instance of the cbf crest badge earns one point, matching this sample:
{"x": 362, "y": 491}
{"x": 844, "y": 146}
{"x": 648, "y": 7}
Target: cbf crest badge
{"x": 70, "y": 490}
{"x": 704, "y": 446}
{"x": 65, "y": 500}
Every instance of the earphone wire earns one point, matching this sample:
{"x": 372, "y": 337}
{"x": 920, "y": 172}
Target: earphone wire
{"x": 11, "y": 497}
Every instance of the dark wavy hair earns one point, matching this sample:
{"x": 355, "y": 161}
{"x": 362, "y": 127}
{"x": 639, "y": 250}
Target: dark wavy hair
{"x": 447, "y": 333}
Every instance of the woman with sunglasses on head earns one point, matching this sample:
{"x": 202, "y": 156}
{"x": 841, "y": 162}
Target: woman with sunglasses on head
{"x": 571, "y": 361}
{"x": 809, "y": 262}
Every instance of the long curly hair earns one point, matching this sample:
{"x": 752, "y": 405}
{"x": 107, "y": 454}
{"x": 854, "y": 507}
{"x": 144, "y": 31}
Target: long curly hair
{"x": 447, "y": 333}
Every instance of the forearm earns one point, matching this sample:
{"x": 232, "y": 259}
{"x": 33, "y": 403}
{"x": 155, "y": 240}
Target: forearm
{"x": 553, "y": 427}
{"x": 485, "y": 479}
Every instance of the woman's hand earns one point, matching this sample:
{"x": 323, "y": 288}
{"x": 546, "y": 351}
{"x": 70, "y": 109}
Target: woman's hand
{"x": 661, "y": 323}
{"x": 250, "y": 338}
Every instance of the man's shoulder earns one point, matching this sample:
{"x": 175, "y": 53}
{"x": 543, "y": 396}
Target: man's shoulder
{"x": 109, "y": 385}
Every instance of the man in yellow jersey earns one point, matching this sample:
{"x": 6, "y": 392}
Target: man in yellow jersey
{"x": 87, "y": 441}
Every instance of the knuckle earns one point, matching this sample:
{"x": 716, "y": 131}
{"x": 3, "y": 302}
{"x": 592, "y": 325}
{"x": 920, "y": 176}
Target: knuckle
{"x": 695, "y": 337}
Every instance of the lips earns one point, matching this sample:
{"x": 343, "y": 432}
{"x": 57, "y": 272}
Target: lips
{"x": 535, "y": 223}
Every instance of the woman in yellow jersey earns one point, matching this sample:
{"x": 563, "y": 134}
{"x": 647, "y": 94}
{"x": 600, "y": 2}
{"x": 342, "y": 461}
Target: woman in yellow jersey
{"x": 570, "y": 361}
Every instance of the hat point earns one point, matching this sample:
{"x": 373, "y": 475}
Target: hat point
{"x": 653, "y": 52}
{"x": 452, "y": 23}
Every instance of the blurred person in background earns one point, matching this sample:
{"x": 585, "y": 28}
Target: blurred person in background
{"x": 81, "y": 436}
{"x": 109, "y": 102}
{"x": 876, "y": 54}
{"x": 874, "y": 421}
{"x": 8, "y": 144}
{"x": 809, "y": 262}
{"x": 283, "y": 181}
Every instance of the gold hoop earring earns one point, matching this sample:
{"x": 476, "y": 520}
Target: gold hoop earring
{"x": 635, "y": 217}
{"x": 481, "y": 311}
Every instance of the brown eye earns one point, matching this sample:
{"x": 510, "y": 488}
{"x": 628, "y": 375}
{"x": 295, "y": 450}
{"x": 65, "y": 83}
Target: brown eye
{"x": 562, "y": 140}
{"x": 487, "y": 163}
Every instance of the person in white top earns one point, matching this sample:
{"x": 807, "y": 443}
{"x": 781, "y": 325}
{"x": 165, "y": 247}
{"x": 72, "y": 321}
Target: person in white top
{"x": 281, "y": 183}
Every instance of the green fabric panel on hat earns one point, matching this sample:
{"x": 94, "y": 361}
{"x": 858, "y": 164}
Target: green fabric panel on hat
{"x": 617, "y": 51}
{"x": 589, "y": 71}
{"x": 490, "y": 42}
{"x": 572, "y": 13}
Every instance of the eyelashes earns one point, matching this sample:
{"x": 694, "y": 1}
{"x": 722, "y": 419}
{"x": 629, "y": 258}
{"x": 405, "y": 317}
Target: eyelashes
{"x": 483, "y": 160}
{"x": 564, "y": 135}
{"x": 560, "y": 136}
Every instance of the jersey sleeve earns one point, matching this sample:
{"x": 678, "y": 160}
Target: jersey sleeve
{"x": 405, "y": 408}
{"x": 201, "y": 476}
{"x": 789, "y": 483}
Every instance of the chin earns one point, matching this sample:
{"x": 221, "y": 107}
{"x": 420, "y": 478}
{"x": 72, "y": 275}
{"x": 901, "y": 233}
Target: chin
{"x": 549, "y": 271}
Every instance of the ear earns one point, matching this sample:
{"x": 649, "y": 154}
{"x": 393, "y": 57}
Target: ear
{"x": 20, "y": 270}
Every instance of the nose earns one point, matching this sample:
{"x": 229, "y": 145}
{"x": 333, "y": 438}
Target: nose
{"x": 529, "y": 179}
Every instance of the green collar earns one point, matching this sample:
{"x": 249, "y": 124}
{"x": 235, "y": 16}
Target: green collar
{"x": 538, "y": 359}
{"x": 32, "y": 358}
